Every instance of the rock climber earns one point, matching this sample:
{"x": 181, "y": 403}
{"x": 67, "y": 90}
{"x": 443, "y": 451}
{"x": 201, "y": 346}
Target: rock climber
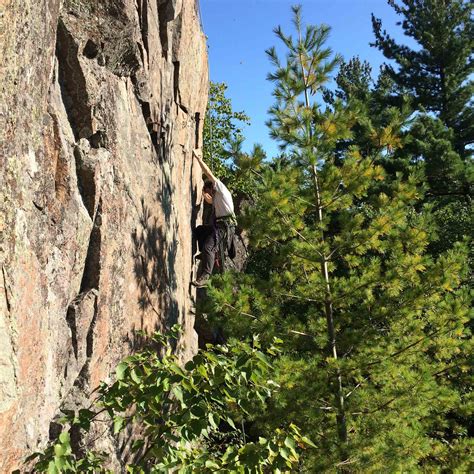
{"x": 220, "y": 228}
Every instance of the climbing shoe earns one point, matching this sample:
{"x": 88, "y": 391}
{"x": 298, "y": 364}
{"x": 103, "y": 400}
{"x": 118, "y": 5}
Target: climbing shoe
{"x": 202, "y": 281}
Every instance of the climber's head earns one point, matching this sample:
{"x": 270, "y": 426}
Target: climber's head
{"x": 208, "y": 191}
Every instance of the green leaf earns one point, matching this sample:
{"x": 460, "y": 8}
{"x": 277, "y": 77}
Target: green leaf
{"x": 59, "y": 450}
{"x": 290, "y": 443}
{"x": 65, "y": 438}
{"x": 60, "y": 463}
{"x": 202, "y": 371}
{"x": 230, "y": 453}
{"x": 212, "y": 421}
{"x": 52, "y": 469}
{"x": 198, "y": 411}
{"x": 231, "y": 422}
{"x": 284, "y": 453}
{"x": 135, "y": 376}
{"x": 137, "y": 444}
{"x": 178, "y": 393}
{"x": 308, "y": 442}
{"x": 211, "y": 464}
{"x": 119, "y": 422}
{"x": 120, "y": 370}
{"x": 177, "y": 370}
{"x": 263, "y": 359}
{"x": 197, "y": 426}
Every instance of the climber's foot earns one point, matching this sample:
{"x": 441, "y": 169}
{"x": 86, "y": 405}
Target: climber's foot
{"x": 202, "y": 281}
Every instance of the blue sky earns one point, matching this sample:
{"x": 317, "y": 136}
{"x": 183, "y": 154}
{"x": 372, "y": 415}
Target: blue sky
{"x": 239, "y": 31}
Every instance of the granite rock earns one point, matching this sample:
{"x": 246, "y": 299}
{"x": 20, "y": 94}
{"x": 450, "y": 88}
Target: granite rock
{"x": 101, "y": 106}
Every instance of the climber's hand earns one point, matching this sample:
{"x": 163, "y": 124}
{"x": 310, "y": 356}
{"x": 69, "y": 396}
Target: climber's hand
{"x": 207, "y": 197}
{"x": 197, "y": 152}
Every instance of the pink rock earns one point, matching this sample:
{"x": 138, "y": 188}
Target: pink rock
{"x": 102, "y": 101}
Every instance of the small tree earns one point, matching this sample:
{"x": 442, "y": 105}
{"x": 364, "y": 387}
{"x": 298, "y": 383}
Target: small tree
{"x": 222, "y": 133}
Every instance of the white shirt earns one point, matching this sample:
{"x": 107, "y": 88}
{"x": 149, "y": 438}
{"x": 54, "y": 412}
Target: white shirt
{"x": 222, "y": 200}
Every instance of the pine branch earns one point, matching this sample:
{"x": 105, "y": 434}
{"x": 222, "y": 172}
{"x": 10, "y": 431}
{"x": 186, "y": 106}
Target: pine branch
{"x": 406, "y": 348}
{"x": 241, "y": 312}
{"x": 293, "y": 253}
{"x": 404, "y": 393}
{"x": 304, "y": 298}
{"x": 285, "y": 218}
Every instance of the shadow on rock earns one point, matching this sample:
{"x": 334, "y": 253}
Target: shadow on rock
{"x": 154, "y": 254}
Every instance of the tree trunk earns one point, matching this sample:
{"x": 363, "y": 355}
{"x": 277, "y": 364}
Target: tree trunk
{"x": 328, "y": 307}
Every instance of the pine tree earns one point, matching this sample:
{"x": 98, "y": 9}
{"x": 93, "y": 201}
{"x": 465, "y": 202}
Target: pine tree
{"x": 339, "y": 270}
{"x": 376, "y": 109}
{"x": 437, "y": 77}
{"x": 438, "y": 74}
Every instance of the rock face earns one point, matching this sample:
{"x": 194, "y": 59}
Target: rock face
{"x": 101, "y": 105}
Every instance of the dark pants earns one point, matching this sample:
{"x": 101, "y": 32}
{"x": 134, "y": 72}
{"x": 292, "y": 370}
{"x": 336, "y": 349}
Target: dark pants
{"x": 208, "y": 238}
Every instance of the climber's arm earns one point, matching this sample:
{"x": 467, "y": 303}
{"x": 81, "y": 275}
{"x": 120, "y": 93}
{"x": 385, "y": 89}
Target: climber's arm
{"x": 205, "y": 169}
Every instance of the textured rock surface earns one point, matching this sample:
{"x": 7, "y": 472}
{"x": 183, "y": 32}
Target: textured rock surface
{"x": 101, "y": 106}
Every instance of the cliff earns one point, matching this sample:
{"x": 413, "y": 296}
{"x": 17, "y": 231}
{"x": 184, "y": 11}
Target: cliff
{"x": 102, "y": 103}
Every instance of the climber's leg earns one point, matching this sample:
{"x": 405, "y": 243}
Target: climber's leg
{"x": 201, "y": 233}
{"x": 209, "y": 253}
{"x": 208, "y": 258}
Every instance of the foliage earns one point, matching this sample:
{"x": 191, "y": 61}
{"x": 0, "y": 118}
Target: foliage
{"x": 59, "y": 458}
{"x": 428, "y": 148}
{"x": 223, "y": 137}
{"x": 438, "y": 72}
{"x": 437, "y": 77}
{"x": 449, "y": 180}
{"x": 374, "y": 326}
{"x": 182, "y": 412}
